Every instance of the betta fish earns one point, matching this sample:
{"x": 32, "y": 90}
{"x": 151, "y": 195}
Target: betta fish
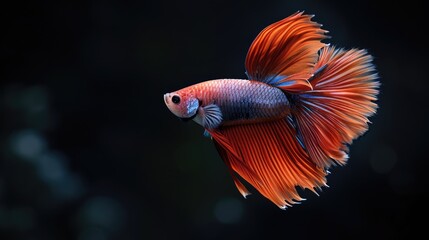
{"x": 293, "y": 118}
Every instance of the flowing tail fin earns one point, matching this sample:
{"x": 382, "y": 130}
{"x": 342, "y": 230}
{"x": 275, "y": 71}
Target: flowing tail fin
{"x": 336, "y": 111}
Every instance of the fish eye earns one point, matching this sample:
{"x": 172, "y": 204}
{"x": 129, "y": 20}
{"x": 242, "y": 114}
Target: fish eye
{"x": 175, "y": 99}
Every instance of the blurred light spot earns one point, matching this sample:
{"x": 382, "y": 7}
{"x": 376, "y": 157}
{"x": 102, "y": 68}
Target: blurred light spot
{"x": 102, "y": 212}
{"x": 383, "y": 159}
{"x": 28, "y": 144}
{"x": 69, "y": 187}
{"x": 51, "y": 166}
{"x": 35, "y": 98}
{"x": 228, "y": 211}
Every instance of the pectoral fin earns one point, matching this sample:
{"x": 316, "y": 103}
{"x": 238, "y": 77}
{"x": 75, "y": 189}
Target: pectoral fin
{"x": 210, "y": 116}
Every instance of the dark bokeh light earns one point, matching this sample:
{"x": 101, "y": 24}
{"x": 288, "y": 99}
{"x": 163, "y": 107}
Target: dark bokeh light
{"x": 90, "y": 152}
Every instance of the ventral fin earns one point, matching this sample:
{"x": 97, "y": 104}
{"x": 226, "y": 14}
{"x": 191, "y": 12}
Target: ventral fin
{"x": 206, "y": 134}
{"x": 269, "y": 157}
{"x": 284, "y": 48}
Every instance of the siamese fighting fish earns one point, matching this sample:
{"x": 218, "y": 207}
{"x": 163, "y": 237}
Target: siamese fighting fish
{"x": 303, "y": 103}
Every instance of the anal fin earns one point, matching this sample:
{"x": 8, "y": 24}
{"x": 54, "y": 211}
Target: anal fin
{"x": 268, "y": 156}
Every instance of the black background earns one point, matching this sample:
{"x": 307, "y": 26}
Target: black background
{"x": 89, "y": 151}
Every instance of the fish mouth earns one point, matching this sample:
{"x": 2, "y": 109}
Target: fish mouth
{"x": 166, "y": 97}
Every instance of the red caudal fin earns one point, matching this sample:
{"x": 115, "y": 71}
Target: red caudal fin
{"x": 268, "y": 156}
{"x": 284, "y": 53}
{"x": 336, "y": 111}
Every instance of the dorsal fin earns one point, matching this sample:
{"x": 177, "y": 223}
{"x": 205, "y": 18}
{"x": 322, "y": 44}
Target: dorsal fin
{"x": 284, "y": 53}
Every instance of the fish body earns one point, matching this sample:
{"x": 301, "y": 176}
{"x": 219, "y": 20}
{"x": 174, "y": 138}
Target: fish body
{"x": 303, "y": 103}
{"x": 238, "y": 101}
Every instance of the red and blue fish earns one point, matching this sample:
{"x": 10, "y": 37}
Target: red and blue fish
{"x": 303, "y": 103}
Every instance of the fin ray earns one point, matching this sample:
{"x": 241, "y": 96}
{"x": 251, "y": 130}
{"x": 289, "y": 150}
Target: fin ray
{"x": 211, "y": 116}
{"x": 268, "y": 156}
{"x": 284, "y": 51}
{"x": 336, "y": 111}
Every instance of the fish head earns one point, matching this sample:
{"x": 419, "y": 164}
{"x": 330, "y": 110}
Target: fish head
{"x": 182, "y": 104}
